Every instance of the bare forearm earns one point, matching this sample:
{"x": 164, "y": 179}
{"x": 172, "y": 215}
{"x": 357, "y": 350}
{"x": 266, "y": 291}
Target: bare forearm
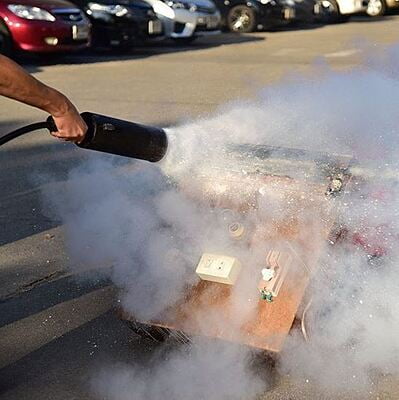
{"x": 17, "y": 84}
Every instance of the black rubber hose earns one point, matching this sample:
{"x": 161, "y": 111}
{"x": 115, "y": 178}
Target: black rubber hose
{"x": 22, "y": 131}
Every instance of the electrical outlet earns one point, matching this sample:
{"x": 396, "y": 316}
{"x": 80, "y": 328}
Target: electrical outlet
{"x": 218, "y": 268}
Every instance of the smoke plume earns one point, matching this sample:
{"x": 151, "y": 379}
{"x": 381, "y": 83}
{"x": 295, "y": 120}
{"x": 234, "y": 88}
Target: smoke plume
{"x": 153, "y": 222}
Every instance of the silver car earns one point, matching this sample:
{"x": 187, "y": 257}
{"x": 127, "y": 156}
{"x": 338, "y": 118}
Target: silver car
{"x": 185, "y": 20}
{"x": 339, "y": 10}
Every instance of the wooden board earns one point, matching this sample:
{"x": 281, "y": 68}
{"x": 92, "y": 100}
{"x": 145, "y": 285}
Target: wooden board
{"x": 213, "y": 309}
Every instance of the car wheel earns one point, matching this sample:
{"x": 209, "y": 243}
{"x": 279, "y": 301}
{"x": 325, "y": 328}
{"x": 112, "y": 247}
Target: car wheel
{"x": 376, "y": 8}
{"x": 241, "y": 19}
{"x": 5, "y": 40}
{"x": 330, "y": 11}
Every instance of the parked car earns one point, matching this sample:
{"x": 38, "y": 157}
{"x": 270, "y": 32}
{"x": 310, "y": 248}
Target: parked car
{"x": 185, "y": 20}
{"x": 251, "y": 15}
{"x": 306, "y": 11}
{"x": 377, "y": 8}
{"x": 339, "y": 10}
{"x": 42, "y": 26}
{"x": 121, "y": 23}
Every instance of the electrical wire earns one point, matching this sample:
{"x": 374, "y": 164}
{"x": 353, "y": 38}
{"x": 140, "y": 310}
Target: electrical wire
{"x": 22, "y": 131}
{"x": 303, "y": 321}
{"x": 305, "y": 266}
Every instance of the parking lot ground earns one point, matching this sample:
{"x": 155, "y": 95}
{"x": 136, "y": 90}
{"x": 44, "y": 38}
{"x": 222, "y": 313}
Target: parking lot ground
{"x": 48, "y": 349}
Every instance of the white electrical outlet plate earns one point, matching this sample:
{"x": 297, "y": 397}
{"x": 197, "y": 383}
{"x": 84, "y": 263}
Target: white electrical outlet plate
{"x": 218, "y": 268}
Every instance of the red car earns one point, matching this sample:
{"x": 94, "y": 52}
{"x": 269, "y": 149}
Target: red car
{"x": 42, "y": 26}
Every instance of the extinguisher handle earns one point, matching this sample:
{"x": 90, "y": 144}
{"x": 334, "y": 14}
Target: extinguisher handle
{"x": 51, "y": 126}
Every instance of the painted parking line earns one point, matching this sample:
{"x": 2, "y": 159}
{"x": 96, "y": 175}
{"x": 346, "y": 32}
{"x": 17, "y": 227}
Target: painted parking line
{"x": 22, "y": 337}
{"x": 343, "y": 53}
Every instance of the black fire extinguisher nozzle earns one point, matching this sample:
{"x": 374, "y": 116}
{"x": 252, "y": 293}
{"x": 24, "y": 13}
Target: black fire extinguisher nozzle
{"x": 123, "y": 138}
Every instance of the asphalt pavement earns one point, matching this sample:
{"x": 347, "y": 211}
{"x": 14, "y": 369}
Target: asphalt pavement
{"x": 55, "y": 328}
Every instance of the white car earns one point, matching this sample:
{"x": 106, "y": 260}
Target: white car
{"x": 184, "y": 20}
{"x": 339, "y": 10}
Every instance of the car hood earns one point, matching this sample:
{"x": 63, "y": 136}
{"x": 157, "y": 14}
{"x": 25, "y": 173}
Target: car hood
{"x": 46, "y": 4}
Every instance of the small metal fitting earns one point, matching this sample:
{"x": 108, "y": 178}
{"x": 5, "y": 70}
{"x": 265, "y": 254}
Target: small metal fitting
{"x": 236, "y": 230}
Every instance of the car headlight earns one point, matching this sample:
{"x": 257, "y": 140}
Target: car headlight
{"x": 163, "y": 9}
{"x": 114, "y": 9}
{"x": 29, "y": 12}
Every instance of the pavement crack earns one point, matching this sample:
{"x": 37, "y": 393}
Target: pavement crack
{"x": 31, "y": 285}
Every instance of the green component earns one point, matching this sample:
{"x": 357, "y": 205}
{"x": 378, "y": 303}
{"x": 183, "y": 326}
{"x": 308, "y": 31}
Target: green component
{"x": 266, "y": 295}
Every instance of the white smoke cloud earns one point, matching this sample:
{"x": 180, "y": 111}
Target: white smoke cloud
{"x": 203, "y": 370}
{"x": 153, "y": 222}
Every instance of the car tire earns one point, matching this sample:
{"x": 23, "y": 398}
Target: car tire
{"x": 184, "y": 41}
{"x": 5, "y": 40}
{"x": 376, "y": 8}
{"x": 241, "y": 19}
{"x": 331, "y": 11}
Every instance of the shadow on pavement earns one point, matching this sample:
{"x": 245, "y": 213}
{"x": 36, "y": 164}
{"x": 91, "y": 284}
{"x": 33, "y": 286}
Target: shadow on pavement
{"x": 25, "y": 167}
{"x": 33, "y": 62}
{"x": 62, "y": 368}
{"x": 48, "y": 295}
{"x": 298, "y": 26}
{"x": 29, "y": 166}
{"x": 365, "y": 18}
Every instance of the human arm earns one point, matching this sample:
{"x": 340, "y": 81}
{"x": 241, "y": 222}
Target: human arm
{"x": 17, "y": 84}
